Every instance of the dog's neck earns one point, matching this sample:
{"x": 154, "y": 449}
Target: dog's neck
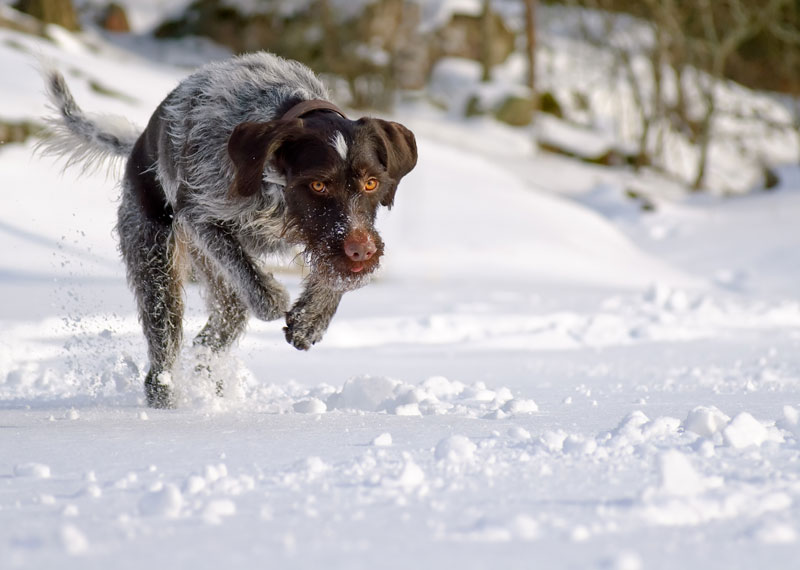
{"x": 305, "y": 107}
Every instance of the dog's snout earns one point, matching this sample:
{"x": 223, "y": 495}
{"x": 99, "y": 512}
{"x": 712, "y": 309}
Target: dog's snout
{"x": 359, "y": 246}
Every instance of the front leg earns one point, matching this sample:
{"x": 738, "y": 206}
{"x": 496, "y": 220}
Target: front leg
{"x": 263, "y": 295}
{"x": 311, "y": 314}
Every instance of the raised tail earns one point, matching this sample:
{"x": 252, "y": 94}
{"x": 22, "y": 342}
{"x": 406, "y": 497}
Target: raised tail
{"x": 89, "y": 140}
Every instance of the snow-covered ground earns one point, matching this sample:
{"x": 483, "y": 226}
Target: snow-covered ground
{"x": 533, "y": 381}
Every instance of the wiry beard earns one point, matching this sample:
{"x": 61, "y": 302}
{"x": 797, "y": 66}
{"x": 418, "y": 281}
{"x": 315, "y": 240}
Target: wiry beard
{"x": 329, "y": 267}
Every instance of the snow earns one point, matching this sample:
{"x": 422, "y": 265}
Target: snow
{"x": 539, "y": 377}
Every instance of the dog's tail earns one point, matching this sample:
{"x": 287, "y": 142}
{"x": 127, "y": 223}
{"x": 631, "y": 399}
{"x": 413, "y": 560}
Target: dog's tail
{"x": 89, "y": 140}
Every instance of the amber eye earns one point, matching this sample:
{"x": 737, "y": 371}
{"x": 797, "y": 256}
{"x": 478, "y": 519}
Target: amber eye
{"x": 371, "y": 184}
{"x": 318, "y": 187}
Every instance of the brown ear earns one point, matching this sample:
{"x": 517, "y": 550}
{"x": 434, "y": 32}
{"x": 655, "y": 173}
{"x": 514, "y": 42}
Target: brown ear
{"x": 397, "y": 150}
{"x": 250, "y": 146}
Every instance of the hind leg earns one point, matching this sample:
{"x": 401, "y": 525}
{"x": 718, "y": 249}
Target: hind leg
{"x": 150, "y": 250}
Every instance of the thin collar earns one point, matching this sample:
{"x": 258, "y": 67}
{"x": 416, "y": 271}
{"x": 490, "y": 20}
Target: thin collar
{"x": 305, "y": 107}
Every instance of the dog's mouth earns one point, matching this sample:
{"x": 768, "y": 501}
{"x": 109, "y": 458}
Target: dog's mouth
{"x": 342, "y": 273}
{"x": 363, "y": 267}
{"x": 347, "y": 267}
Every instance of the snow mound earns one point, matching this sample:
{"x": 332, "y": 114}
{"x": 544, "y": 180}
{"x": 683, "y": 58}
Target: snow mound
{"x": 705, "y": 421}
{"x": 455, "y": 449}
{"x": 163, "y": 501}
{"x": 745, "y": 431}
{"x": 32, "y": 470}
{"x": 435, "y": 396}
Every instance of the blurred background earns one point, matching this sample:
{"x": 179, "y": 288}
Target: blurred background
{"x": 701, "y": 93}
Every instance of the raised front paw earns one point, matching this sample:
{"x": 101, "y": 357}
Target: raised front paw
{"x": 271, "y": 302}
{"x": 304, "y": 329}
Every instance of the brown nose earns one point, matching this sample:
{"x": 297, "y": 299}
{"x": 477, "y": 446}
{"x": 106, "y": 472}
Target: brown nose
{"x": 359, "y": 246}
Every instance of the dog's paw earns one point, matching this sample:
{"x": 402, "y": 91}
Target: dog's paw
{"x": 158, "y": 390}
{"x": 272, "y": 303}
{"x": 302, "y": 329}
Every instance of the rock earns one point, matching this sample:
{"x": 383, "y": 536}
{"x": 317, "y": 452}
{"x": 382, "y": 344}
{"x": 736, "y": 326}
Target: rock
{"x": 516, "y": 111}
{"x": 115, "y": 19}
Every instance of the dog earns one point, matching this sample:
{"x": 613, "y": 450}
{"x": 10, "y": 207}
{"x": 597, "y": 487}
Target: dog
{"x": 244, "y": 158}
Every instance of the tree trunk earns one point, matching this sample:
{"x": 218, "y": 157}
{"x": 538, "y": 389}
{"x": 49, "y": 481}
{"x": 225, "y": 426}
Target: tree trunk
{"x": 486, "y": 40}
{"x": 530, "y": 36}
{"x": 60, "y": 12}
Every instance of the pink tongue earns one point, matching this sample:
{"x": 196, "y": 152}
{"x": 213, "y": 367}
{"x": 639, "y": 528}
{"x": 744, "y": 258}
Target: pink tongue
{"x": 357, "y": 268}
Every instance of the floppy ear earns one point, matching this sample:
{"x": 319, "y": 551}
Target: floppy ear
{"x": 250, "y": 146}
{"x": 397, "y": 151}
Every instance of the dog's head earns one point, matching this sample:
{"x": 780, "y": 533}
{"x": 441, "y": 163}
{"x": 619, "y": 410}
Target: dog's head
{"x": 338, "y": 172}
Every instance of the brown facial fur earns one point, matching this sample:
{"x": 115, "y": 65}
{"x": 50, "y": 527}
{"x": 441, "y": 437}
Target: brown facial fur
{"x": 303, "y": 152}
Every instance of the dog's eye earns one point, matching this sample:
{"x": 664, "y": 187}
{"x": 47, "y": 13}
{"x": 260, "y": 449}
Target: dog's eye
{"x": 371, "y": 184}
{"x": 318, "y": 187}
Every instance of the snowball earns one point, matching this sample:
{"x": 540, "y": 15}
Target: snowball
{"x": 383, "y": 440}
{"x": 629, "y": 430}
{"x": 520, "y": 406}
{"x": 553, "y": 440}
{"x": 310, "y": 406}
{"x": 744, "y": 431}
{"x": 72, "y": 414}
{"x": 215, "y": 472}
{"x": 705, "y": 421}
{"x": 410, "y": 477}
{"x": 790, "y": 421}
{"x": 525, "y": 527}
{"x": 194, "y": 484}
{"x": 519, "y": 433}
{"x": 364, "y": 393}
{"x": 580, "y": 533}
{"x": 441, "y": 387}
{"x": 455, "y": 449}
{"x": 791, "y": 415}
{"x": 166, "y": 501}
{"x": 32, "y": 470}
{"x": 72, "y": 539}
{"x": 217, "y": 509}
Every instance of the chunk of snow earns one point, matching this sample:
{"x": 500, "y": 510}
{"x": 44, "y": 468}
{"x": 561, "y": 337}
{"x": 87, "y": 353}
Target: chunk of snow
{"x": 455, "y": 449}
{"x": 165, "y": 501}
{"x": 744, "y": 431}
{"x": 408, "y": 410}
{"x": 33, "y": 470}
{"x": 677, "y": 475}
{"x": 73, "y": 540}
{"x": 194, "y": 484}
{"x": 705, "y": 421}
{"x": 519, "y": 433}
{"x": 383, "y": 440}
{"x": 216, "y": 510}
{"x": 310, "y": 406}
{"x": 578, "y": 445}
{"x": 520, "y": 406}
{"x": 363, "y": 393}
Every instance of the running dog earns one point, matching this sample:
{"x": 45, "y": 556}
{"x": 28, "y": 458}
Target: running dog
{"x": 244, "y": 158}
